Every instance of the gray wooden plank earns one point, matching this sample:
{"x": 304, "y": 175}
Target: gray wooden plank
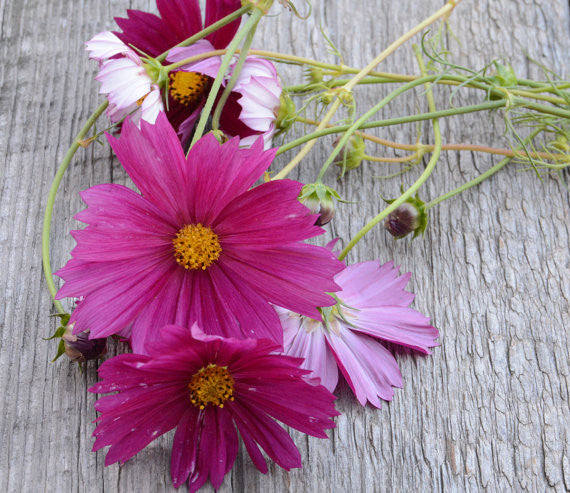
{"x": 488, "y": 410}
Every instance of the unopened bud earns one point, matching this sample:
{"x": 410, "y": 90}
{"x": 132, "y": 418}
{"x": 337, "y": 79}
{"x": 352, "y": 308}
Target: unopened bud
{"x": 351, "y": 154}
{"x": 409, "y": 217}
{"x": 315, "y": 75}
{"x": 79, "y": 348}
{"x": 287, "y": 112}
{"x": 320, "y": 200}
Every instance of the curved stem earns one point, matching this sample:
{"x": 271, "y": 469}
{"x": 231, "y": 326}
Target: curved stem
{"x": 417, "y": 184}
{"x": 444, "y": 79}
{"x": 242, "y": 33}
{"x": 445, "y": 10}
{"x": 51, "y": 201}
{"x": 208, "y": 30}
{"x": 482, "y": 177}
{"x": 396, "y": 121}
{"x": 448, "y": 147}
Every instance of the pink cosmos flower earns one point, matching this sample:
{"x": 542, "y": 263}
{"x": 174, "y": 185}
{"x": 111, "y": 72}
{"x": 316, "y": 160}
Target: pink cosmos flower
{"x": 197, "y": 245}
{"x": 257, "y": 91}
{"x": 125, "y": 81}
{"x": 206, "y": 387}
{"x": 373, "y": 305}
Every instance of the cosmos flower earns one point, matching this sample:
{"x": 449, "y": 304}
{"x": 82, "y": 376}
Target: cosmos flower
{"x": 252, "y": 107}
{"x": 206, "y": 387}
{"x": 373, "y": 305}
{"x": 124, "y": 79}
{"x": 196, "y": 245}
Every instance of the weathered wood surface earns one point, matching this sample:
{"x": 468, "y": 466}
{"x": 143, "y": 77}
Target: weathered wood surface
{"x": 488, "y": 410}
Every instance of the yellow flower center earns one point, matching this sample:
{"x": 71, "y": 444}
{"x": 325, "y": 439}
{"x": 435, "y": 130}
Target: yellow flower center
{"x": 211, "y": 385}
{"x": 188, "y": 87}
{"x": 196, "y": 247}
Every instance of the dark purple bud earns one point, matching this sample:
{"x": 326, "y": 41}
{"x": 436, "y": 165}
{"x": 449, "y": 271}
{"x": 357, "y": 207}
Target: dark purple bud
{"x": 79, "y": 348}
{"x": 403, "y": 221}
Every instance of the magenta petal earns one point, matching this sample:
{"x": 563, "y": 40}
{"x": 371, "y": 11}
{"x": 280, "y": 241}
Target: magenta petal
{"x": 153, "y": 158}
{"x": 184, "y": 447}
{"x": 183, "y": 17}
{"x": 247, "y": 309}
{"x": 146, "y": 32}
{"x": 221, "y": 172}
{"x": 295, "y": 277}
{"x": 274, "y": 440}
{"x": 256, "y": 226}
{"x": 106, "y": 310}
{"x": 216, "y": 10}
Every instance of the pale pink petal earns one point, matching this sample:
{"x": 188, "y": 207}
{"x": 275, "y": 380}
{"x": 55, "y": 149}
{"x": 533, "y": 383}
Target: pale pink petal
{"x": 305, "y": 338}
{"x": 368, "y": 367}
{"x": 106, "y": 45}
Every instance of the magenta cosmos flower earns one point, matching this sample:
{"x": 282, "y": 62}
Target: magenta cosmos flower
{"x": 206, "y": 387}
{"x": 373, "y": 304}
{"x": 257, "y": 91}
{"x": 197, "y": 245}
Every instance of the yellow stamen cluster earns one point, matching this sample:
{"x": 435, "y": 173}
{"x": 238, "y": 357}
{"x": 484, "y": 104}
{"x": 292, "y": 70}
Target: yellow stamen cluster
{"x": 188, "y": 87}
{"x": 196, "y": 247}
{"x": 211, "y": 385}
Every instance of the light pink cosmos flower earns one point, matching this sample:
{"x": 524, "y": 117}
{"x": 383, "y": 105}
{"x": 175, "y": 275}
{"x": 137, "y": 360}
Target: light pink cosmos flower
{"x": 206, "y": 387}
{"x": 373, "y": 305}
{"x": 196, "y": 245}
{"x": 124, "y": 80}
{"x": 253, "y": 105}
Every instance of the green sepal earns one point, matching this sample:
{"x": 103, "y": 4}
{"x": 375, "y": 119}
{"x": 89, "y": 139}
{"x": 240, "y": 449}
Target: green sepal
{"x": 287, "y": 113}
{"x": 59, "y": 332}
{"x": 60, "y": 350}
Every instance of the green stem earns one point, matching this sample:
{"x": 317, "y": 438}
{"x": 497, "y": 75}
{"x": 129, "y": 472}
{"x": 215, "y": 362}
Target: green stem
{"x": 417, "y": 184}
{"x": 489, "y": 105}
{"x": 226, "y": 60}
{"x": 500, "y": 165}
{"x": 235, "y": 74}
{"x": 208, "y": 30}
{"x": 51, "y": 201}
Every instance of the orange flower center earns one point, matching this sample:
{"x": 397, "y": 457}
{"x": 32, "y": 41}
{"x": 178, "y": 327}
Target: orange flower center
{"x": 211, "y": 385}
{"x": 196, "y": 247}
{"x": 188, "y": 87}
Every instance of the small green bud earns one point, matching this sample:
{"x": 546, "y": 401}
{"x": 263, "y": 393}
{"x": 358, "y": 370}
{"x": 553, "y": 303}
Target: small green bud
{"x": 287, "y": 112}
{"x": 327, "y": 97}
{"x": 315, "y": 75}
{"x": 320, "y": 200}
{"x": 352, "y": 153}
{"x": 407, "y": 218}
{"x": 561, "y": 143}
{"x": 505, "y": 75}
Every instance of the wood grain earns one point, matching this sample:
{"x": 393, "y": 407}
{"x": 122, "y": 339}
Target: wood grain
{"x": 487, "y": 411}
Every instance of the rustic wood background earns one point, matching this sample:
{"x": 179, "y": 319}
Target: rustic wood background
{"x": 488, "y": 410}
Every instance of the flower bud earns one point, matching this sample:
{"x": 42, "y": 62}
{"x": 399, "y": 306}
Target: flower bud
{"x": 287, "y": 112}
{"x": 315, "y": 75}
{"x": 351, "y": 154}
{"x": 79, "y": 348}
{"x": 407, "y": 218}
{"x": 319, "y": 199}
